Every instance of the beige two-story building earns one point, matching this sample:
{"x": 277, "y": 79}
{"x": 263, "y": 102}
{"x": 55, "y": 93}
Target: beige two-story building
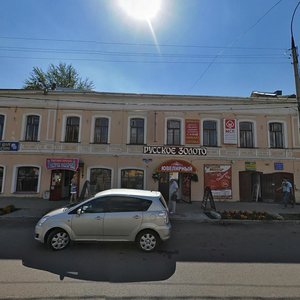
{"x": 240, "y": 147}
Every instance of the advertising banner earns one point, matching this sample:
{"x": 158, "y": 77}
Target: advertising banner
{"x": 62, "y": 164}
{"x": 230, "y": 131}
{"x": 192, "y": 131}
{"x": 219, "y": 179}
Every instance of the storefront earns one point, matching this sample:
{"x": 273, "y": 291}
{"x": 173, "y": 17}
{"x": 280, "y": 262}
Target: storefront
{"x": 182, "y": 171}
{"x": 62, "y": 171}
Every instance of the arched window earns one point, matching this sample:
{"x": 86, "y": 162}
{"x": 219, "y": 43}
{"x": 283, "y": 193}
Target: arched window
{"x": 276, "y": 135}
{"x": 27, "y": 179}
{"x": 246, "y": 135}
{"x": 210, "y": 135}
{"x": 32, "y": 128}
{"x": 173, "y": 132}
{"x": 137, "y": 128}
{"x": 72, "y": 130}
{"x": 132, "y": 179}
{"x": 2, "y": 119}
{"x": 101, "y": 131}
{"x": 100, "y": 180}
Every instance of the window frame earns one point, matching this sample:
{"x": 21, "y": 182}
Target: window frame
{"x": 129, "y": 169}
{"x": 15, "y": 179}
{"x": 93, "y": 129}
{"x": 129, "y": 141}
{"x": 181, "y": 129}
{"x": 283, "y": 133}
{"x": 2, "y": 128}
{"x": 253, "y": 133}
{"x": 103, "y": 168}
{"x": 217, "y": 122}
{"x": 65, "y": 120}
{"x": 25, "y": 127}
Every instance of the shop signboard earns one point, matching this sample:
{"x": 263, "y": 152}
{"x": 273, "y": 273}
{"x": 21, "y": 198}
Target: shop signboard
{"x": 9, "y": 146}
{"x": 230, "y": 131}
{"x": 219, "y": 179}
{"x": 175, "y": 150}
{"x": 62, "y": 164}
{"x": 176, "y": 165}
{"x": 250, "y": 165}
{"x": 192, "y": 131}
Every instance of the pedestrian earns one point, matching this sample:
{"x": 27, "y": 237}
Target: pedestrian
{"x": 287, "y": 192}
{"x": 173, "y": 189}
{"x": 74, "y": 184}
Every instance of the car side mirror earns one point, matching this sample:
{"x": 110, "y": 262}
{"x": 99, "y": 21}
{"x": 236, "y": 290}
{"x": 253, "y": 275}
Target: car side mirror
{"x": 79, "y": 211}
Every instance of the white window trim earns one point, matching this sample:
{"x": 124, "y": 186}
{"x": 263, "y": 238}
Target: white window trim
{"x": 128, "y": 127}
{"x": 65, "y": 124}
{"x": 254, "y": 131}
{"x": 182, "y": 129}
{"x": 285, "y": 142}
{"x": 93, "y": 127}
{"x": 218, "y": 130}
{"x": 24, "y": 123}
{"x": 15, "y": 174}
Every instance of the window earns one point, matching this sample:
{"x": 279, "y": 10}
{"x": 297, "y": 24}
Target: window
{"x": 137, "y": 131}
{"x": 132, "y": 179}
{"x": 127, "y": 204}
{"x": 32, "y": 128}
{"x": 27, "y": 179}
{"x": 173, "y": 132}
{"x": 101, "y": 131}
{"x": 98, "y": 205}
{"x": 100, "y": 180}
{"x": 276, "y": 135}
{"x": 1, "y": 178}
{"x": 246, "y": 135}
{"x": 210, "y": 134}
{"x": 72, "y": 130}
{"x": 2, "y": 118}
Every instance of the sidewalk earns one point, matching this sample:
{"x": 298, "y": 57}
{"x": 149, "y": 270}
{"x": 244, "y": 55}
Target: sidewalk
{"x": 37, "y": 207}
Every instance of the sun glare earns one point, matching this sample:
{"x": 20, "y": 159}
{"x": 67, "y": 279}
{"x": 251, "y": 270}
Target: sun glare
{"x": 141, "y": 9}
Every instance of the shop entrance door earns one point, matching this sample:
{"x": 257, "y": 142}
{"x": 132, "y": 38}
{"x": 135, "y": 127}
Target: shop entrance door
{"x": 163, "y": 185}
{"x": 60, "y": 184}
{"x": 56, "y": 185}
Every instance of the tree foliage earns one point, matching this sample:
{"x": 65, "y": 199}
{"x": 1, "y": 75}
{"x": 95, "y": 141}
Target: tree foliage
{"x": 62, "y": 75}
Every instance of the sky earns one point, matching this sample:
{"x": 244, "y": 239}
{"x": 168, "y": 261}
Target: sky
{"x": 190, "y": 47}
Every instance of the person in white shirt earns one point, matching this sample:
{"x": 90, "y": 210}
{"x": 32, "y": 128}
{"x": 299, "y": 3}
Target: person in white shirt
{"x": 173, "y": 188}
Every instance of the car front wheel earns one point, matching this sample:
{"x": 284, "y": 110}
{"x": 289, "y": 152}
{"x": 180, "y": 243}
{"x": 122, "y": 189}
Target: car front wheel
{"x": 58, "y": 239}
{"x": 148, "y": 240}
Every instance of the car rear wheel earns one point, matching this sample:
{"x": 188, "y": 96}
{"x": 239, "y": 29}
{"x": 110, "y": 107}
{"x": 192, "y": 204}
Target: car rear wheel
{"x": 148, "y": 240}
{"x": 58, "y": 239}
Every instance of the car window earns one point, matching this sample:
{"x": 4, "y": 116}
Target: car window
{"x": 126, "y": 203}
{"x": 96, "y": 205}
{"x": 163, "y": 202}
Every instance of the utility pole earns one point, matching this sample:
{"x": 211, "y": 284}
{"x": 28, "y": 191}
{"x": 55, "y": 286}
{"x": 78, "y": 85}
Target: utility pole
{"x": 295, "y": 64}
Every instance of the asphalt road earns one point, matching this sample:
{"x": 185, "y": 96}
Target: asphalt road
{"x": 201, "y": 260}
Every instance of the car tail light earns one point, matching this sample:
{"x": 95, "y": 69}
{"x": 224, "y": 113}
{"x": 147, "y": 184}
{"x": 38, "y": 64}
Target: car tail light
{"x": 165, "y": 217}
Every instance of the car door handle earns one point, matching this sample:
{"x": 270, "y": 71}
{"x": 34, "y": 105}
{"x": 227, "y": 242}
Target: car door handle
{"x": 136, "y": 217}
{"x": 98, "y": 218}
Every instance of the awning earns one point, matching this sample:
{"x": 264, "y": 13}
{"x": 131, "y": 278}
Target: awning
{"x": 176, "y": 165}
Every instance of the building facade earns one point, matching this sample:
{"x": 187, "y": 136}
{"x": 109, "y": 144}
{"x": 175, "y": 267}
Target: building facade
{"x": 240, "y": 147}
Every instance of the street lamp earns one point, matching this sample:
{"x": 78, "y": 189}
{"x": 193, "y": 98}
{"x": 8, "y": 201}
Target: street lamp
{"x": 295, "y": 62}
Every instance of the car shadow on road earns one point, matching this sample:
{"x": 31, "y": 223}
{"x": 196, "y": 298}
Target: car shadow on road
{"x": 111, "y": 262}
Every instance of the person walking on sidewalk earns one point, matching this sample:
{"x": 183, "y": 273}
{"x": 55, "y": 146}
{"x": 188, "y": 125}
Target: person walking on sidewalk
{"x": 287, "y": 192}
{"x": 173, "y": 195}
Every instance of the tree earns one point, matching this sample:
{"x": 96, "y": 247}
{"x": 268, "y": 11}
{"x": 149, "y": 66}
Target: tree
{"x": 62, "y": 75}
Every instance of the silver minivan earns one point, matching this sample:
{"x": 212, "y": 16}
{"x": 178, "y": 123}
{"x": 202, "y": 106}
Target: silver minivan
{"x": 111, "y": 215}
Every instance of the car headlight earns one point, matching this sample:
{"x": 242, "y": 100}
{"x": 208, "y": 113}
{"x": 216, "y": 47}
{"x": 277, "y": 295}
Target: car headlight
{"x": 42, "y": 220}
